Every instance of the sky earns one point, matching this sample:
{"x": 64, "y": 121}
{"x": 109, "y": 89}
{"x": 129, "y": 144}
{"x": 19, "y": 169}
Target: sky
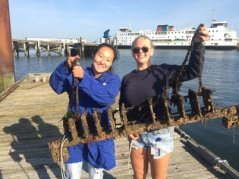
{"x": 90, "y": 18}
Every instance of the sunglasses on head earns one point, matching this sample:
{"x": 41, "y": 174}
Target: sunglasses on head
{"x": 137, "y": 50}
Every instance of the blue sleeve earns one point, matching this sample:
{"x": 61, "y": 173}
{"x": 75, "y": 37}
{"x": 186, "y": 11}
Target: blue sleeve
{"x": 58, "y": 80}
{"x": 103, "y": 94}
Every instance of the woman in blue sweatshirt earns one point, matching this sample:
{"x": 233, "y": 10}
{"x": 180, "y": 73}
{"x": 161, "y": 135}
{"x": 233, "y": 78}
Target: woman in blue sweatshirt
{"x": 97, "y": 89}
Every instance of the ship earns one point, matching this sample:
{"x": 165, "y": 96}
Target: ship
{"x": 166, "y": 36}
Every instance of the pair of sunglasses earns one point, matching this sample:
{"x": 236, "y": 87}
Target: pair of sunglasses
{"x": 137, "y": 49}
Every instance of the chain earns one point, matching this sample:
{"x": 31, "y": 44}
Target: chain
{"x": 75, "y": 92}
{"x": 177, "y": 80}
{"x": 200, "y": 86}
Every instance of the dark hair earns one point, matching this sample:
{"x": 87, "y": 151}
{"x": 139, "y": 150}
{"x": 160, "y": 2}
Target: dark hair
{"x": 109, "y": 46}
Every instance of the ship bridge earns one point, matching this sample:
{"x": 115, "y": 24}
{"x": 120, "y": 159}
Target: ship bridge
{"x": 125, "y": 29}
{"x": 216, "y": 24}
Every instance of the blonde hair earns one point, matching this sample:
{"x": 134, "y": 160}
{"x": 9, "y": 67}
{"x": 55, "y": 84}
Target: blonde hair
{"x": 142, "y": 37}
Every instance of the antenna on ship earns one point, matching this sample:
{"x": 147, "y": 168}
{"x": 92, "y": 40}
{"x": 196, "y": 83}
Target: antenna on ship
{"x": 129, "y": 25}
{"x": 213, "y": 16}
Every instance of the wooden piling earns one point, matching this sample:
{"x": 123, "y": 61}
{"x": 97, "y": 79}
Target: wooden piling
{"x": 7, "y": 78}
{"x": 38, "y": 49}
{"x": 47, "y": 45}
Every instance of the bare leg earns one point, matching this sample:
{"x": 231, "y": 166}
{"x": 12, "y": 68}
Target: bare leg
{"x": 139, "y": 160}
{"x": 159, "y": 167}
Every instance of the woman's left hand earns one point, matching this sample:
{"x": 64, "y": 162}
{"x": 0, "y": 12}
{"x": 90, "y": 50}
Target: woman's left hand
{"x": 203, "y": 33}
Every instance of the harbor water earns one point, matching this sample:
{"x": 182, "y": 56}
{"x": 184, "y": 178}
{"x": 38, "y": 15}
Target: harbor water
{"x": 220, "y": 74}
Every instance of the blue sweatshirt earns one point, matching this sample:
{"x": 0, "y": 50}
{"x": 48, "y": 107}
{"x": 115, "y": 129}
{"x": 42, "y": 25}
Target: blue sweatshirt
{"x": 94, "y": 93}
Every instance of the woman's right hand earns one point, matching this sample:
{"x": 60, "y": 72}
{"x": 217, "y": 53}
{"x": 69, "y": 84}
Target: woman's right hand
{"x": 78, "y": 71}
{"x": 71, "y": 60}
{"x": 134, "y": 136}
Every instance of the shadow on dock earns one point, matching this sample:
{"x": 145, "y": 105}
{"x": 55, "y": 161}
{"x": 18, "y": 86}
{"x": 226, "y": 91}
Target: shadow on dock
{"x": 30, "y": 143}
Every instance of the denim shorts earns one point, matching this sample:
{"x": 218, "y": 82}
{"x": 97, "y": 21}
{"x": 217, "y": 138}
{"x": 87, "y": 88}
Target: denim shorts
{"x": 159, "y": 143}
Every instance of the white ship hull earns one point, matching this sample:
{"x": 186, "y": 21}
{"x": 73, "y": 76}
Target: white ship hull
{"x": 220, "y": 37}
{"x": 185, "y": 45}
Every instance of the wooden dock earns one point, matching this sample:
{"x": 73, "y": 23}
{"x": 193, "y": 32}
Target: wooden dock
{"x": 29, "y": 119}
{"x": 51, "y": 46}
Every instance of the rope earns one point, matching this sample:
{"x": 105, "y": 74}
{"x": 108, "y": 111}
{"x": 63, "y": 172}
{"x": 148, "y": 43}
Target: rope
{"x": 63, "y": 169}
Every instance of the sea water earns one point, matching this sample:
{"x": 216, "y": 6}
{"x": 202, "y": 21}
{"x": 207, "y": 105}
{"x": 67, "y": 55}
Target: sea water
{"x": 220, "y": 74}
